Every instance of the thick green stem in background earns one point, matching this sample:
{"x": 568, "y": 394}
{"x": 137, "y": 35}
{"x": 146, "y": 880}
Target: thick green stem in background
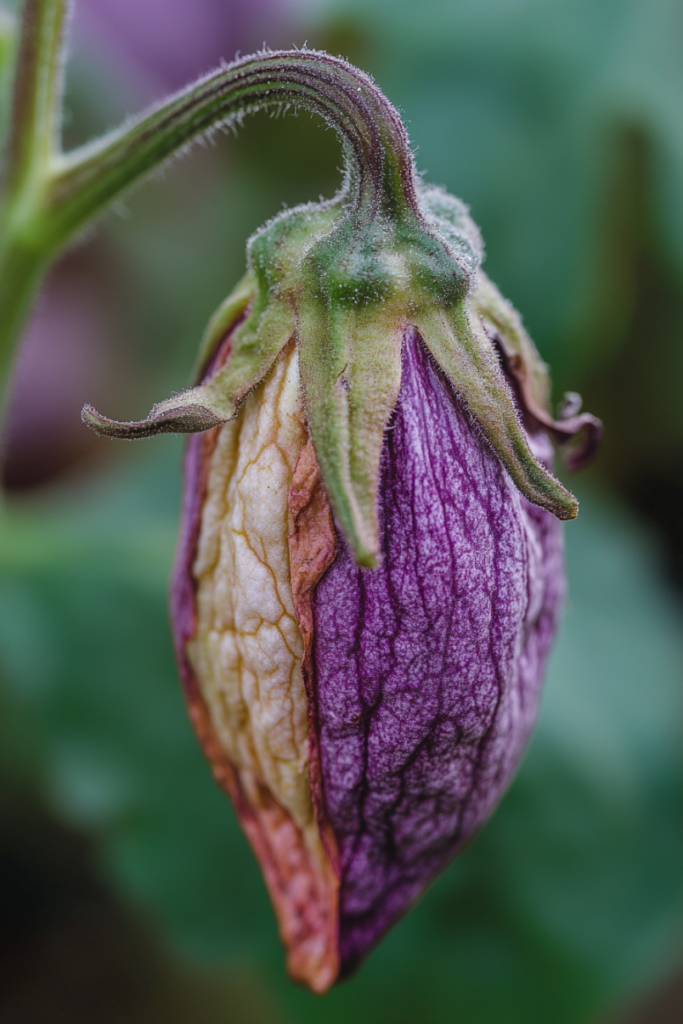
{"x": 6, "y": 37}
{"x": 21, "y": 271}
{"x": 49, "y": 197}
{"x": 32, "y": 141}
{"x": 36, "y": 100}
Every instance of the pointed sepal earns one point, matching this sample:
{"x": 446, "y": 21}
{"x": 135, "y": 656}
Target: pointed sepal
{"x": 579, "y": 433}
{"x": 350, "y": 365}
{"x": 461, "y": 347}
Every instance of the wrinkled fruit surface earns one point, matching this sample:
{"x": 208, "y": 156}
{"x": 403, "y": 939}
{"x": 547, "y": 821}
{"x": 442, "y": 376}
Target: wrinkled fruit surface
{"x": 364, "y": 722}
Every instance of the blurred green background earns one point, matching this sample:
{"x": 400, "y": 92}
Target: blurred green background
{"x": 127, "y": 892}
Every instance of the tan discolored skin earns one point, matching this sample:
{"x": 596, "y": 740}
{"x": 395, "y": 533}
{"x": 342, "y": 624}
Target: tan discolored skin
{"x": 262, "y": 500}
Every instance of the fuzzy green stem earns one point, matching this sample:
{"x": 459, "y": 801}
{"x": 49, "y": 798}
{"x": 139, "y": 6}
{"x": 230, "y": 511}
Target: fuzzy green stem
{"x": 378, "y": 160}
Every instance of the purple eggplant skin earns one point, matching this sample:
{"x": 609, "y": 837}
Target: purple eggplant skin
{"x": 428, "y": 668}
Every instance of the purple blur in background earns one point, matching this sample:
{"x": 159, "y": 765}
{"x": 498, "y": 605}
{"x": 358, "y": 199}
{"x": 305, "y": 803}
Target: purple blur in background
{"x": 429, "y": 668}
{"x": 166, "y": 43}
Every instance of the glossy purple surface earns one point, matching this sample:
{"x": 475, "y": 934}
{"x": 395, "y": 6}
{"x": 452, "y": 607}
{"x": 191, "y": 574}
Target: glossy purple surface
{"x": 428, "y": 669}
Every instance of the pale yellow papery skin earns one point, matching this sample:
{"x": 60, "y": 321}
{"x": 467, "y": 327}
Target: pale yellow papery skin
{"x": 247, "y": 649}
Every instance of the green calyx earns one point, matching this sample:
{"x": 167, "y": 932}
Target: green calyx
{"x": 345, "y": 279}
{"x": 346, "y": 291}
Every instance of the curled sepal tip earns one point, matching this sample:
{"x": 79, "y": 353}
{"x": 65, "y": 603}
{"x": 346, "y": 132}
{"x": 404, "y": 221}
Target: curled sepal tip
{"x": 184, "y": 414}
{"x": 579, "y": 433}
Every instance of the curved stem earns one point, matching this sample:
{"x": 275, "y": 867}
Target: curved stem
{"x": 378, "y": 159}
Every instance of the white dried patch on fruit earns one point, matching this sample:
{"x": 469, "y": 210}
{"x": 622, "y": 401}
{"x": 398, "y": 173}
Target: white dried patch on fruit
{"x": 247, "y": 649}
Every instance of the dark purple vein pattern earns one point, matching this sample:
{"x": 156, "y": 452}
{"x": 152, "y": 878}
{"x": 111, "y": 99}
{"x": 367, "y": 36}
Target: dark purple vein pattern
{"x": 428, "y": 669}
